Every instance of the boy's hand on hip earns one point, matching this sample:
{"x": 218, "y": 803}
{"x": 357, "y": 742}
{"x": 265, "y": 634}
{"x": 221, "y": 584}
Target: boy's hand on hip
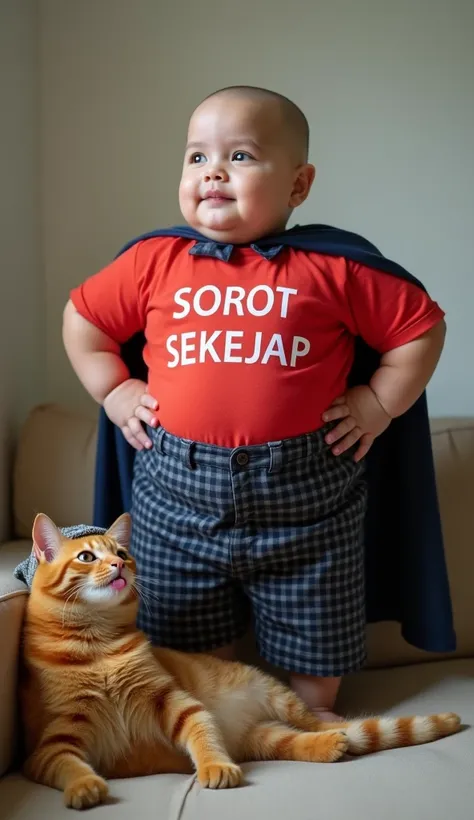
{"x": 127, "y": 406}
{"x": 363, "y": 419}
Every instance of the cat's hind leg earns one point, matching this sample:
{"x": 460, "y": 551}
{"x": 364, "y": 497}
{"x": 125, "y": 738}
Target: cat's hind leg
{"x": 285, "y": 706}
{"x": 278, "y": 741}
{"x": 368, "y": 734}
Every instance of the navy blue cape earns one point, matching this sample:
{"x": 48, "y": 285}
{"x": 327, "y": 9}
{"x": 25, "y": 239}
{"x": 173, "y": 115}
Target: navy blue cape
{"x": 406, "y": 570}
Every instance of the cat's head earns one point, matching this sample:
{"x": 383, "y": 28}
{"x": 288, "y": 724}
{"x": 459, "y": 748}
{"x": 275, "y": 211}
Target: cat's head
{"x": 97, "y": 570}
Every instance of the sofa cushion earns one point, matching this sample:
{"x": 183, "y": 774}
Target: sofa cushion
{"x": 425, "y": 782}
{"x": 54, "y": 468}
{"x": 12, "y": 604}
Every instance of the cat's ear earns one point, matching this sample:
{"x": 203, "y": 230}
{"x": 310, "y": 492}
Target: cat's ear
{"x": 46, "y": 538}
{"x": 121, "y": 529}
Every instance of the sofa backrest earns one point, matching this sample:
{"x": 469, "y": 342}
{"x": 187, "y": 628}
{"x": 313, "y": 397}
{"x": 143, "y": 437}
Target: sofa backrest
{"x": 54, "y": 468}
{"x": 54, "y": 473}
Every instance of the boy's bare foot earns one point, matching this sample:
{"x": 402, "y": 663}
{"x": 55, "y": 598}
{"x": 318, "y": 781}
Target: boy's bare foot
{"x": 319, "y": 694}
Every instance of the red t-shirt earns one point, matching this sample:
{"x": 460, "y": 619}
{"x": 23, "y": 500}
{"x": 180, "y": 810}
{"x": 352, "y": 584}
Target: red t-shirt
{"x": 250, "y": 350}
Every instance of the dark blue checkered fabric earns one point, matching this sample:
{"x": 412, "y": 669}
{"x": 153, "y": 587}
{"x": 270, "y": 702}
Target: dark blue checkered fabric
{"x": 271, "y": 532}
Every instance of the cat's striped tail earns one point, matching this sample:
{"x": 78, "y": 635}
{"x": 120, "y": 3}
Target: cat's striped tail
{"x": 368, "y": 735}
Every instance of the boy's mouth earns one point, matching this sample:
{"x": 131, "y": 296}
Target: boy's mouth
{"x": 218, "y": 196}
{"x": 216, "y": 199}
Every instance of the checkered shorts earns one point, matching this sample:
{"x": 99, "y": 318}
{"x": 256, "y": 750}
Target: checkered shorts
{"x": 268, "y": 532}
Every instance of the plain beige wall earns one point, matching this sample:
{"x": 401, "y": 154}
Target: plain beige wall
{"x": 387, "y": 87}
{"x": 22, "y": 305}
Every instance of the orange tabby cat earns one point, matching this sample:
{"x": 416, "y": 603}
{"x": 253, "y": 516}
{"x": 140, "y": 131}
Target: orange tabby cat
{"x": 98, "y": 702}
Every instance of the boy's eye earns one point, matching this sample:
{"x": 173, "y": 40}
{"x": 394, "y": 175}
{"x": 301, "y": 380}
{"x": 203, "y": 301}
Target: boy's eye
{"x": 241, "y": 156}
{"x": 86, "y": 557}
{"x": 198, "y": 159}
{"x": 122, "y": 554}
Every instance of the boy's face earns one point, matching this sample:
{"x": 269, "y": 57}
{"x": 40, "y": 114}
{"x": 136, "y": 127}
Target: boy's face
{"x": 241, "y": 176}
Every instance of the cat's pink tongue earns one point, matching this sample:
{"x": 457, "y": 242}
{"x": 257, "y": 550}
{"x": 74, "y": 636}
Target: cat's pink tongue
{"x": 118, "y": 583}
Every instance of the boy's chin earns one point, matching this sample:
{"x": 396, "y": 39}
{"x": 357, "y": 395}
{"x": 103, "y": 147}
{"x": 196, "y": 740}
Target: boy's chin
{"x": 233, "y": 230}
{"x": 232, "y": 234}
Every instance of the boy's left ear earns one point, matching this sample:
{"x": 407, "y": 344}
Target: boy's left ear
{"x": 302, "y": 186}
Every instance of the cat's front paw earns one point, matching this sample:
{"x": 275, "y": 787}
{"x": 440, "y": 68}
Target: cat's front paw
{"x": 85, "y": 792}
{"x": 220, "y": 776}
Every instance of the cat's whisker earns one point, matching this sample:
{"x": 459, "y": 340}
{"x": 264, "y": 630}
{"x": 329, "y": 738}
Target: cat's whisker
{"x": 75, "y": 590}
{"x": 142, "y": 580}
{"x": 146, "y": 593}
{"x": 141, "y": 598}
{"x": 63, "y": 613}
{"x": 71, "y": 592}
{"x": 145, "y": 579}
{"x": 149, "y": 600}
{"x": 149, "y": 596}
{"x": 146, "y": 597}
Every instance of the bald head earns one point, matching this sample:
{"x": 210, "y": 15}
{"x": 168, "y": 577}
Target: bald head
{"x": 245, "y": 166}
{"x": 293, "y": 123}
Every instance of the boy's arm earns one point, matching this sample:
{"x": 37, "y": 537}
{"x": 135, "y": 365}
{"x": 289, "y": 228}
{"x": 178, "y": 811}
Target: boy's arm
{"x": 96, "y": 359}
{"x": 94, "y": 356}
{"x": 405, "y": 371}
{"x": 401, "y": 378}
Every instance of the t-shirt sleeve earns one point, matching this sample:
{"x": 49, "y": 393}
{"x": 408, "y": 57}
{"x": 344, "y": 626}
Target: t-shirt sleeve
{"x": 112, "y": 299}
{"x": 387, "y": 311}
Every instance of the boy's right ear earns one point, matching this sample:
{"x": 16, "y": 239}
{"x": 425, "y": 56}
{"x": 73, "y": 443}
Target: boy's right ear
{"x": 46, "y": 538}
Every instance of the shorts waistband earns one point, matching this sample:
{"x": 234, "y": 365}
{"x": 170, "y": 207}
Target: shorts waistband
{"x": 272, "y": 455}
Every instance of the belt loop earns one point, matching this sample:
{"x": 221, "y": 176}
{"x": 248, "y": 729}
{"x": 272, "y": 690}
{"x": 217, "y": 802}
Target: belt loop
{"x": 188, "y": 454}
{"x": 276, "y": 456}
{"x": 160, "y": 434}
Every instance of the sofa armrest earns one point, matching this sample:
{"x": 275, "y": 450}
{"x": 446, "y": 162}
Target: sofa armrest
{"x": 13, "y": 595}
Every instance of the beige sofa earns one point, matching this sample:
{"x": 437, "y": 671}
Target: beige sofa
{"x": 53, "y": 473}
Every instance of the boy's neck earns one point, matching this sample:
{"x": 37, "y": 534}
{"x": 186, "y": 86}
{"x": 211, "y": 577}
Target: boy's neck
{"x": 256, "y": 239}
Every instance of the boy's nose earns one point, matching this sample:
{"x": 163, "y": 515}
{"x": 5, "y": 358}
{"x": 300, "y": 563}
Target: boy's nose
{"x": 216, "y": 175}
